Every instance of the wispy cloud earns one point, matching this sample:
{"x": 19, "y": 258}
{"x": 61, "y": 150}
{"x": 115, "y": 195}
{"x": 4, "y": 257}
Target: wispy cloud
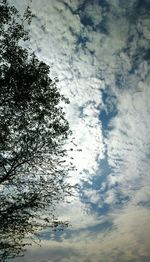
{"x": 126, "y": 241}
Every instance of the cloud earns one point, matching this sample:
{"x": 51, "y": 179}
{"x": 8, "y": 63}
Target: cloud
{"x": 92, "y": 14}
{"x": 100, "y": 53}
{"x": 119, "y": 59}
{"x": 126, "y": 241}
{"x": 128, "y": 141}
{"x": 77, "y": 77}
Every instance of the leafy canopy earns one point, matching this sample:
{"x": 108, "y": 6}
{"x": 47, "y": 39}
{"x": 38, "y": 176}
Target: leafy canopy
{"x": 32, "y": 122}
{"x": 33, "y": 132}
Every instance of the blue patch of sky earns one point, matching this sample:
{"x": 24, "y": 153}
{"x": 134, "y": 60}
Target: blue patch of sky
{"x": 82, "y": 6}
{"x": 87, "y": 21}
{"x": 103, "y": 171}
{"x": 81, "y": 111}
{"x": 121, "y": 199}
{"x": 109, "y": 111}
{"x": 142, "y": 7}
{"x": 102, "y": 26}
{"x": 147, "y": 55}
{"x": 99, "y": 210}
{"x": 105, "y": 119}
{"x": 120, "y": 80}
{"x": 96, "y": 181}
{"x": 104, "y": 4}
{"x": 81, "y": 41}
{"x": 95, "y": 184}
{"x": 139, "y": 55}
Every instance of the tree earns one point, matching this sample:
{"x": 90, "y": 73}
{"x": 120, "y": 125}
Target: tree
{"x": 22, "y": 219}
{"x": 33, "y": 127}
{"x": 32, "y": 123}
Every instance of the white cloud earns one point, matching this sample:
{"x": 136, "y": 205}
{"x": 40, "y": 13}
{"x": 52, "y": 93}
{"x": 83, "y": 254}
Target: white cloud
{"x": 128, "y": 240}
{"x": 57, "y": 43}
{"x": 107, "y": 56}
{"x": 128, "y": 142}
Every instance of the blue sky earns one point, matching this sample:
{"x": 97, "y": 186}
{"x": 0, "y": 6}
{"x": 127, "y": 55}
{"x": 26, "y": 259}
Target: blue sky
{"x": 100, "y": 52}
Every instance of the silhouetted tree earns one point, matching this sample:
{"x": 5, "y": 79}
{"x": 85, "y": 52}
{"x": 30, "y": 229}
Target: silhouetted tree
{"x": 22, "y": 220}
{"x": 33, "y": 131}
{"x": 32, "y": 122}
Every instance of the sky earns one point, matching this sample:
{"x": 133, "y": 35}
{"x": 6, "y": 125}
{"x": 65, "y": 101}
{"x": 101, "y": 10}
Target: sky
{"x": 100, "y": 52}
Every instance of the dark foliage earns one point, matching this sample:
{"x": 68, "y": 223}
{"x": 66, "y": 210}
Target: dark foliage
{"x": 33, "y": 131}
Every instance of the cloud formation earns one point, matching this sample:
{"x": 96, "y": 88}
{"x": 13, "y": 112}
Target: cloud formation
{"x": 100, "y": 52}
{"x": 126, "y": 241}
